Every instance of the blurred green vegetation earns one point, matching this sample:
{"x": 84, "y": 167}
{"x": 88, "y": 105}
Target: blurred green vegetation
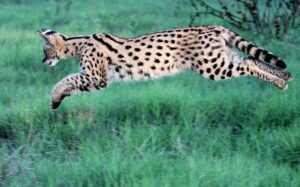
{"x": 176, "y": 131}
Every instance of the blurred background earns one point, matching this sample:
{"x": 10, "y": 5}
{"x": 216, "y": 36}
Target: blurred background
{"x": 175, "y": 131}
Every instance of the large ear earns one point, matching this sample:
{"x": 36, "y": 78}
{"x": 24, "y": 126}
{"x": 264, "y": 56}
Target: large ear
{"x": 51, "y": 37}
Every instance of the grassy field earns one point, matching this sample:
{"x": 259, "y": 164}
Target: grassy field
{"x": 176, "y": 131}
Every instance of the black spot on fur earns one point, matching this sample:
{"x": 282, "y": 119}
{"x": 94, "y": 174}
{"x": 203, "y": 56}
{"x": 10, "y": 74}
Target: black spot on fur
{"x": 213, "y": 60}
{"x": 229, "y": 73}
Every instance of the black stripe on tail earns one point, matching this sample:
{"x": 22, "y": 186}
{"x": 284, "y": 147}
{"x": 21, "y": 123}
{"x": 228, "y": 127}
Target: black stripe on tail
{"x": 266, "y": 56}
{"x": 247, "y": 47}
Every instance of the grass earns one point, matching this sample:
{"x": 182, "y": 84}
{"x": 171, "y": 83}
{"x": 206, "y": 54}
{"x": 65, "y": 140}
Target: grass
{"x": 176, "y": 131}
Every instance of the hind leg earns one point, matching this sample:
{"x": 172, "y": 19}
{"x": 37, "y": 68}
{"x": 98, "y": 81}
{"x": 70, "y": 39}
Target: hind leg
{"x": 267, "y": 72}
{"x": 271, "y": 69}
{"x": 232, "y": 66}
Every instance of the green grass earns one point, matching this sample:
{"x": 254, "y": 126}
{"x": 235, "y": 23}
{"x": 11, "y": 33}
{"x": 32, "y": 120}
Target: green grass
{"x": 176, "y": 131}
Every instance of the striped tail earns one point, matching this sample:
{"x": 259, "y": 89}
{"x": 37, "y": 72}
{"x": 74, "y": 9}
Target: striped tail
{"x": 241, "y": 44}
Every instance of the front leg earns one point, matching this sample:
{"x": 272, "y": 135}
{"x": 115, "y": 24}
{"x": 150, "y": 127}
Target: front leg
{"x": 72, "y": 84}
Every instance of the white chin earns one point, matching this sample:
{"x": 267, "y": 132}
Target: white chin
{"x": 51, "y": 63}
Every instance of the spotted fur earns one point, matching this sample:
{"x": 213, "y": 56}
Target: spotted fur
{"x": 207, "y": 50}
